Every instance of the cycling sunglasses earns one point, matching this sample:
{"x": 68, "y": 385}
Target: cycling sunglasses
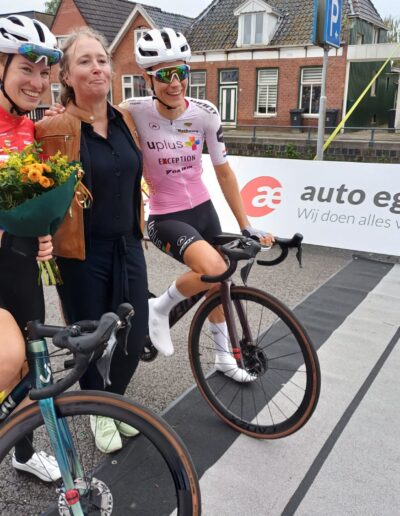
{"x": 166, "y": 75}
{"x": 34, "y": 53}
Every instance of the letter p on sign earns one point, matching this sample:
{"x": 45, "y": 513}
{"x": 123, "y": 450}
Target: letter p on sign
{"x": 334, "y": 17}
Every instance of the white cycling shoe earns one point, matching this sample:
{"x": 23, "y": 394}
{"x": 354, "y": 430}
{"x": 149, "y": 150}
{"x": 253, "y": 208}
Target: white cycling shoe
{"x": 225, "y": 363}
{"x": 41, "y": 465}
{"x": 159, "y": 330}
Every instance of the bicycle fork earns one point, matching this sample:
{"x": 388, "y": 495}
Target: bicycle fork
{"x": 57, "y": 428}
{"x": 229, "y": 308}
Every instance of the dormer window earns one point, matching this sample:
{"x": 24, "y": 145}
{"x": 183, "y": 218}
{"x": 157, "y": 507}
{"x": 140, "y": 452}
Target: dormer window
{"x": 253, "y": 28}
{"x": 257, "y": 22}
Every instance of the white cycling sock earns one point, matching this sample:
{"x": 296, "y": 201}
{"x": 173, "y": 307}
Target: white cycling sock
{"x": 220, "y": 337}
{"x": 171, "y": 297}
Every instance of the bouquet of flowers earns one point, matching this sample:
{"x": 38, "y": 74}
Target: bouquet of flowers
{"x": 35, "y": 194}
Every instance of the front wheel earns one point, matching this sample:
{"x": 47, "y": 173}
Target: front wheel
{"x": 274, "y": 349}
{"x": 151, "y": 475}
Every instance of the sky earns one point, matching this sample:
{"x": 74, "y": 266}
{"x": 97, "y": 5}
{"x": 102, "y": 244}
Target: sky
{"x": 384, "y": 7}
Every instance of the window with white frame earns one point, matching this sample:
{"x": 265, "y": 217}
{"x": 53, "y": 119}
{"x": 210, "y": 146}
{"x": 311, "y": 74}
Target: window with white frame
{"x": 139, "y": 33}
{"x": 61, "y": 40}
{"x": 197, "y": 84}
{"x": 55, "y": 92}
{"x": 133, "y": 86}
{"x": 360, "y": 39}
{"x": 253, "y": 28}
{"x": 375, "y": 36}
{"x": 310, "y": 91}
{"x": 267, "y": 91}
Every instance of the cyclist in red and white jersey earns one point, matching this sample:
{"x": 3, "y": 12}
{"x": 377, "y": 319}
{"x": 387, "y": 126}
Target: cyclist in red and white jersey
{"x": 27, "y": 49}
{"x": 172, "y": 131}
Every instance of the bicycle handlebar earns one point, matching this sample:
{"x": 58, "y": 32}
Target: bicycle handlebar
{"x": 285, "y": 244}
{"x": 81, "y": 343}
{"x": 244, "y": 248}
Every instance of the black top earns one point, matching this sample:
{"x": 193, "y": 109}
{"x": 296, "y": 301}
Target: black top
{"x": 113, "y": 170}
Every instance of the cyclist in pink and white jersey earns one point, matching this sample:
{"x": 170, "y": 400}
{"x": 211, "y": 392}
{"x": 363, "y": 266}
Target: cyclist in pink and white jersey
{"x": 172, "y": 131}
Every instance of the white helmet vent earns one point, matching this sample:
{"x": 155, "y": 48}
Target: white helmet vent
{"x": 161, "y": 46}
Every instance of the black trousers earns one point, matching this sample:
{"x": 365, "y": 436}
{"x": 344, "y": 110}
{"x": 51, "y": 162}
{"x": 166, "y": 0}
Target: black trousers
{"x": 114, "y": 272}
{"x": 20, "y": 292}
{"x": 22, "y": 296}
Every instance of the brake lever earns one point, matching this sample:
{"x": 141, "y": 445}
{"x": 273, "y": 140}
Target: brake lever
{"x": 103, "y": 364}
{"x": 123, "y": 334}
{"x": 245, "y": 271}
{"x": 299, "y": 255}
{"x": 125, "y": 313}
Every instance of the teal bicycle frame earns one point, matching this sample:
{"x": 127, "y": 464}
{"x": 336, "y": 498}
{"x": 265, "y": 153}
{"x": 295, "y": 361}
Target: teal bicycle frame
{"x": 57, "y": 428}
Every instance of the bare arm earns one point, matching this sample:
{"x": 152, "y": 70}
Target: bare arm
{"x": 230, "y": 188}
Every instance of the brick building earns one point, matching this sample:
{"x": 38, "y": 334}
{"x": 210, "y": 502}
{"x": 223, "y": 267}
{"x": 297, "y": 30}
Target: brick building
{"x": 122, "y": 23}
{"x": 256, "y": 61}
{"x": 253, "y": 58}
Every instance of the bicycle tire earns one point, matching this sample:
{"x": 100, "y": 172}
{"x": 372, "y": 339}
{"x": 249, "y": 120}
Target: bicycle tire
{"x": 281, "y": 357}
{"x": 126, "y": 474}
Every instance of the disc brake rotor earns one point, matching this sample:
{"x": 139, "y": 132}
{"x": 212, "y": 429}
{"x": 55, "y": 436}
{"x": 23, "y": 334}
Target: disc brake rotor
{"x": 95, "y": 498}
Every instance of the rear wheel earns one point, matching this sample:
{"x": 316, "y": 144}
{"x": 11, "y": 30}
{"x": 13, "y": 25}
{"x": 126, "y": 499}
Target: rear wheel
{"x": 151, "y": 475}
{"x": 275, "y": 349}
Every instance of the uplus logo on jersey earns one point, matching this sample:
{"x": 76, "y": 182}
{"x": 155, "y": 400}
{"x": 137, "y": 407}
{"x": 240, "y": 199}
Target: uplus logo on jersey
{"x": 191, "y": 143}
{"x": 261, "y": 196}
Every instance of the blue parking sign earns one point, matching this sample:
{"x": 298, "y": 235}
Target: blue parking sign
{"x": 333, "y": 22}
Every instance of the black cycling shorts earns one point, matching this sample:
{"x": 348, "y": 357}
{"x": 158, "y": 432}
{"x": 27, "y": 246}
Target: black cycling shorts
{"x": 174, "y": 232}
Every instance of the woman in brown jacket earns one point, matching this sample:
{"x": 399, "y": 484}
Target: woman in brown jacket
{"x": 100, "y": 253}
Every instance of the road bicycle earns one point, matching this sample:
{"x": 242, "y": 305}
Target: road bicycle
{"x": 267, "y": 341}
{"x": 153, "y": 473}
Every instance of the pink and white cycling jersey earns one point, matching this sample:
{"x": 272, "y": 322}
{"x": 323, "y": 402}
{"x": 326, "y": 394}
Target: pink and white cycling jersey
{"x": 172, "y": 151}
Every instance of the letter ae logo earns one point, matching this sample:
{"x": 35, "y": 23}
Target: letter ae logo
{"x": 261, "y": 196}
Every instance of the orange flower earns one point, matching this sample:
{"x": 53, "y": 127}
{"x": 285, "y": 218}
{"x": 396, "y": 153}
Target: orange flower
{"x": 46, "y": 168}
{"x": 34, "y": 175}
{"x": 45, "y": 182}
{"x": 24, "y": 170}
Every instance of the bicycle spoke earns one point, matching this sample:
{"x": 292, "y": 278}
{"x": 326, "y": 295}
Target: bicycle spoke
{"x": 277, "y": 358}
{"x": 138, "y": 476}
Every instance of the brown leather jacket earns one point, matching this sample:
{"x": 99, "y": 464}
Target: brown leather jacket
{"x": 63, "y": 133}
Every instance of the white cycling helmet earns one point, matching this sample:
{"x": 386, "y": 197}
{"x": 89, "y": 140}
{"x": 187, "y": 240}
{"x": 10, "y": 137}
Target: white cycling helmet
{"x": 30, "y": 38}
{"x": 16, "y": 30}
{"x": 161, "y": 46}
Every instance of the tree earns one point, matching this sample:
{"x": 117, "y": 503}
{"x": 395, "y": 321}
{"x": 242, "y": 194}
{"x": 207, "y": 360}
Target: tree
{"x": 51, "y": 6}
{"x": 393, "y": 25}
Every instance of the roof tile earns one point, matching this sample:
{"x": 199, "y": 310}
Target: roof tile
{"x": 109, "y": 16}
{"x": 216, "y": 28}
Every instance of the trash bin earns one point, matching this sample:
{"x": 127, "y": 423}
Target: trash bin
{"x": 331, "y": 120}
{"x": 296, "y": 120}
{"x": 391, "y": 120}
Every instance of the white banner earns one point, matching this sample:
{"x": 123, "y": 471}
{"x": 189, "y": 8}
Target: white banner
{"x": 338, "y": 204}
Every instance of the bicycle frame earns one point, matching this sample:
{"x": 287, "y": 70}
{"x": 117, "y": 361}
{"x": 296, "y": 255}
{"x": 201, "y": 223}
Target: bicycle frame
{"x": 57, "y": 428}
{"x": 225, "y": 288}
{"x": 183, "y": 307}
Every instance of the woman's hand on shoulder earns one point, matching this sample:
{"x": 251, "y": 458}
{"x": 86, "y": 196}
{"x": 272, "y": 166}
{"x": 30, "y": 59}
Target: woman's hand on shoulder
{"x": 54, "y": 109}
